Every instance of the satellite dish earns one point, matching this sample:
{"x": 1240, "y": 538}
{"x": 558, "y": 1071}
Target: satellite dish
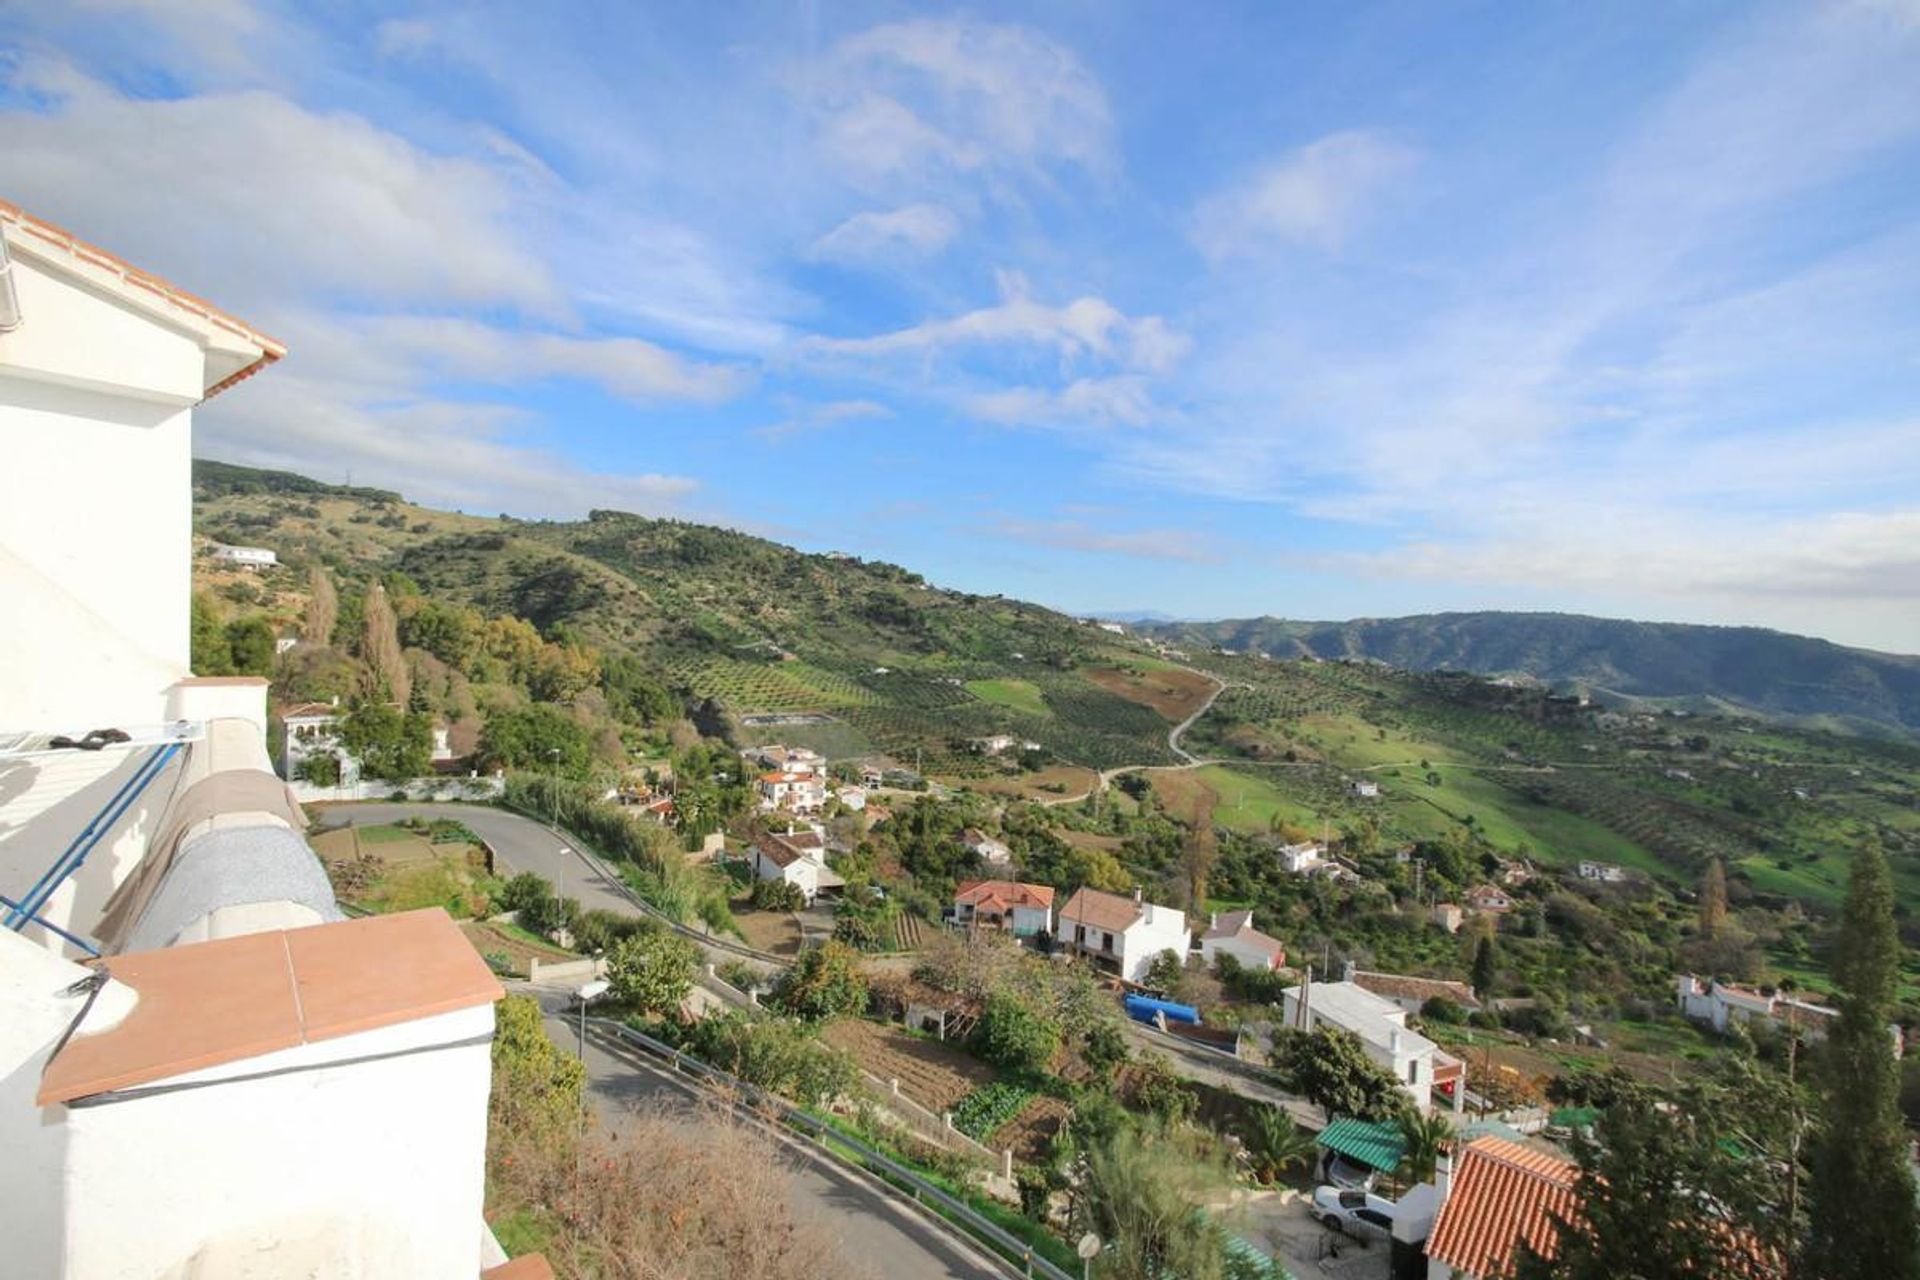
{"x": 1089, "y": 1247}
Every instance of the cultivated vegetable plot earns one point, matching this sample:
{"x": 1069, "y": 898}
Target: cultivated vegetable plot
{"x": 982, "y": 1112}
{"x": 933, "y": 1074}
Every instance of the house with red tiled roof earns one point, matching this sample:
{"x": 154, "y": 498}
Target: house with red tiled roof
{"x": 1231, "y": 933}
{"x": 1121, "y": 934}
{"x": 1021, "y": 909}
{"x": 1493, "y": 1196}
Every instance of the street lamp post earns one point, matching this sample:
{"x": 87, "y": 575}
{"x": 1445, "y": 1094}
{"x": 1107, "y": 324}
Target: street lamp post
{"x": 590, "y": 992}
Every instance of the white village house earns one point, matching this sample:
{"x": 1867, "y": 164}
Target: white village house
{"x": 1231, "y": 933}
{"x": 785, "y": 791}
{"x": 1021, "y": 909}
{"x": 984, "y": 847}
{"x": 1301, "y": 859}
{"x": 1381, "y": 1025}
{"x": 799, "y": 858}
{"x": 245, "y": 557}
{"x": 1121, "y": 934}
{"x": 313, "y": 729}
{"x": 1721, "y": 1004}
{"x": 204, "y": 1069}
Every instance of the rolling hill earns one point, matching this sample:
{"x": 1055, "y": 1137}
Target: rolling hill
{"x": 1813, "y": 683}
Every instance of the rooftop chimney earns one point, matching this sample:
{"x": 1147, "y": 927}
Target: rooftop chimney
{"x": 1443, "y": 1174}
{"x": 1136, "y": 895}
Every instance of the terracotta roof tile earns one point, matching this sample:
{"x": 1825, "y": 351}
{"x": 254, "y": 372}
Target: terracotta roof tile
{"x": 1006, "y": 893}
{"x": 1406, "y": 987}
{"x": 209, "y": 1003}
{"x": 1107, "y": 911}
{"x": 1502, "y": 1194}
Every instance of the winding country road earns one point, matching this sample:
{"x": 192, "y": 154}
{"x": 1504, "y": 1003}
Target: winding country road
{"x": 521, "y": 844}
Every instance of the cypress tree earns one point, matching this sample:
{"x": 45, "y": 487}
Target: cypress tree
{"x": 1485, "y": 966}
{"x": 1863, "y": 1224}
{"x": 1713, "y": 900}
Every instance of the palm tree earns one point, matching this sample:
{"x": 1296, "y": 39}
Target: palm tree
{"x": 1275, "y": 1144}
{"x": 1425, "y": 1135}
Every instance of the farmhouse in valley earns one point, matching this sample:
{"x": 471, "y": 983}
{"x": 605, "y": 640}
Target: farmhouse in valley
{"x": 1381, "y": 1025}
{"x": 1231, "y": 933}
{"x": 1024, "y": 910}
{"x": 1121, "y": 934}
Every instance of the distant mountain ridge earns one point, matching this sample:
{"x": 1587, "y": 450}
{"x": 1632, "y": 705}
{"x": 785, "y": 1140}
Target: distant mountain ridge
{"x": 1680, "y": 665}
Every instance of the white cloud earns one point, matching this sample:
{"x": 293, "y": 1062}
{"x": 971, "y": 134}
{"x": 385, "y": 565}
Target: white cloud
{"x": 1315, "y": 195}
{"x": 263, "y": 198}
{"x": 289, "y": 420}
{"x": 631, "y": 368}
{"x": 1075, "y": 535}
{"x": 1124, "y": 400}
{"x": 914, "y": 230}
{"x": 1085, "y": 328}
{"x": 922, "y": 96}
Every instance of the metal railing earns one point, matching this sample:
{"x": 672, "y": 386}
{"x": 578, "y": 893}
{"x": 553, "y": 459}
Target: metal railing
{"x": 75, "y": 854}
{"x": 905, "y": 1183}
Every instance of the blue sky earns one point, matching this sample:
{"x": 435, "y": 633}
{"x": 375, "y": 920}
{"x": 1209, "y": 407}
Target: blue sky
{"x": 1311, "y": 310}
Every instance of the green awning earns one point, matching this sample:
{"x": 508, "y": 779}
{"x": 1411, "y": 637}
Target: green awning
{"x": 1378, "y": 1146}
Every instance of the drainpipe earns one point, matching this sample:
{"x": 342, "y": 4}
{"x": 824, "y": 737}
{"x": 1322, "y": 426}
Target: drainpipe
{"x": 9, "y": 297}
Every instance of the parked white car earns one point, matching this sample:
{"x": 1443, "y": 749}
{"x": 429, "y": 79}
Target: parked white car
{"x": 1359, "y": 1214}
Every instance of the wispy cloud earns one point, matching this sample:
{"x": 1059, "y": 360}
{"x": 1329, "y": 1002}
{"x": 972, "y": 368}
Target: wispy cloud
{"x": 928, "y": 95}
{"x": 1085, "y": 328}
{"x": 911, "y": 231}
{"x": 1124, "y": 400}
{"x": 1314, "y": 196}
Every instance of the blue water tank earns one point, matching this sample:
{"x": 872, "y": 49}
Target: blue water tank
{"x": 1143, "y": 1008}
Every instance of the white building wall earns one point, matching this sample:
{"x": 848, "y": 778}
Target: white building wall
{"x": 393, "y": 1193}
{"x": 1159, "y": 929}
{"x": 1250, "y": 957}
{"x": 96, "y": 495}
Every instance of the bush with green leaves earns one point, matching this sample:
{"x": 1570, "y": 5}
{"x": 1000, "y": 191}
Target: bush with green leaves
{"x": 1013, "y": 1034}
{"x": 776, "y": 895}
{"x": 652, "y": 969}
{"x": 775, "y": 1054}
{"x": 1331, "y": 1067}
{"x": 825, "y": 982}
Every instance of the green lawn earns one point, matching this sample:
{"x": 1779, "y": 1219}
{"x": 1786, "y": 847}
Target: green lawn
{"x": 1248, "y": 803}
{"x": 385, "y": 834}
{"x": 1018, "y": 695}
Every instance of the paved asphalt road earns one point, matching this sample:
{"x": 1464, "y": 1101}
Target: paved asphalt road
{"x": 520, "y": 844}
{"x": 875, "y": 1232}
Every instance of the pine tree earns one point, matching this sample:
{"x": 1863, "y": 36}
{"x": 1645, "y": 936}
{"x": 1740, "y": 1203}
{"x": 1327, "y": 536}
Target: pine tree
{"x": 387, "y": 676}
{"x": 1486, "y": 965}
{"x": 1713, "y": 900}
{"x": 323, "y": 608}
{"x": 1861, "y": 1208}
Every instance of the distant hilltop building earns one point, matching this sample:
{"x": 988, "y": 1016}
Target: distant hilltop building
{"x": 245, "y": 557}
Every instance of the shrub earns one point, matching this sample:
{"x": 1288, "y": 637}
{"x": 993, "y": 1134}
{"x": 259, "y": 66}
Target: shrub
{"x": 774, "y": 1054}
{"x": 652, "y": 969}
{"x": 1331, "y": 1067}
{"x": 776, "y": 895}
{"x": 825, "y": 982}
{"x": 1013, "y": 1035}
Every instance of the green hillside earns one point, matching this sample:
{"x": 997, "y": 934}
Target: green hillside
{"x": 1738, "y": 669}
{"x": 639, "y": 624}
